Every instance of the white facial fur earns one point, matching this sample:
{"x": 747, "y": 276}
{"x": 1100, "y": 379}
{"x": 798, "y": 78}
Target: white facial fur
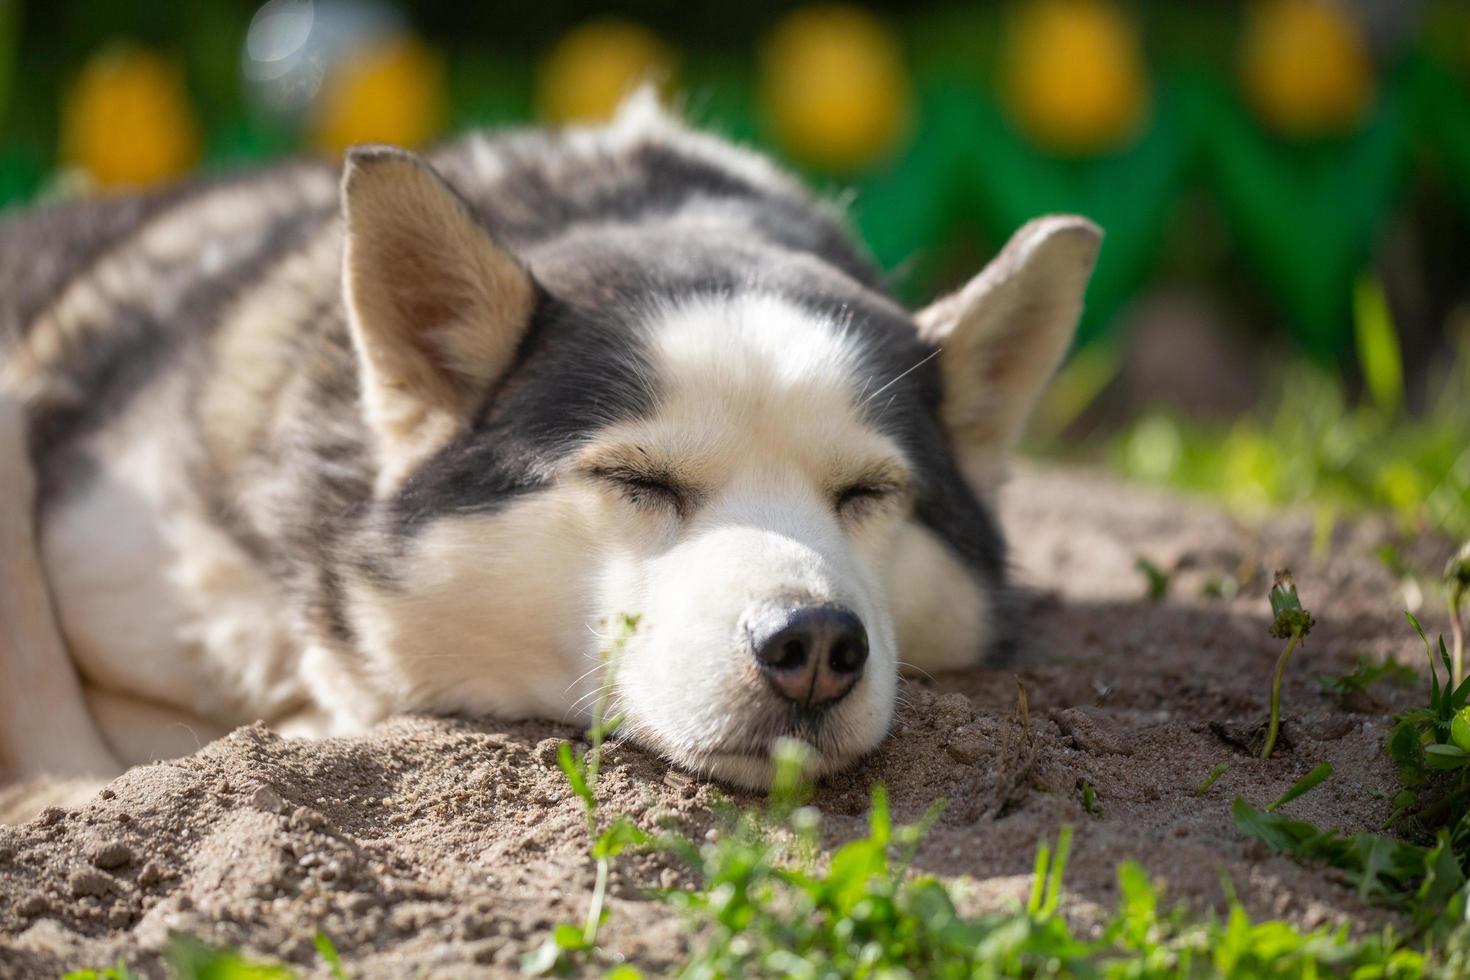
{"x": 758, "y": 415}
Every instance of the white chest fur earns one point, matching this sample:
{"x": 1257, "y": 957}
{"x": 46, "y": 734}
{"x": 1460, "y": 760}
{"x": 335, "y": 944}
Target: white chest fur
{"x": 155, "y": 601}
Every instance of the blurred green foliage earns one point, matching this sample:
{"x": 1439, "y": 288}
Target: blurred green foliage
{"x": 1311, "y": 444}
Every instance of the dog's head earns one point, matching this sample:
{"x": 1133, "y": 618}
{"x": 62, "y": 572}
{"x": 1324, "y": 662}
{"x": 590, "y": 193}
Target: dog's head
{"x": 780, "y": 476}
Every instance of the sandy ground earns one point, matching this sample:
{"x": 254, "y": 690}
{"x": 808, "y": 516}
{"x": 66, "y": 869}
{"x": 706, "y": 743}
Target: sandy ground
{"x": 445, "y": 848}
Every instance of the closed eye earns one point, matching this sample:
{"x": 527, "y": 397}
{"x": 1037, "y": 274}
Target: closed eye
{"x": 646, "y": 489}
{"x": 859, "y": 499}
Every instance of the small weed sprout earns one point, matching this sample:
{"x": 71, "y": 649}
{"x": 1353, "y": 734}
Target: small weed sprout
{"x": 1457, "y": 584}
{"x": 790, "y": 787}
{"x": 1224, "y": 587}
{"x": 1365, "y": 673}
{"x": 1157, "y": 579}
{"x": 1089, "y": 800}
{"x": 1211, "y": 779}
{"x": 568, "y": 941}
{"x": 1292, "y": 622}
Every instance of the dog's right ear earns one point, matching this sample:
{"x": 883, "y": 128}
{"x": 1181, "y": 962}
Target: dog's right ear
{"x": 1002, "y": 335}
{"x": 435, "y": 305}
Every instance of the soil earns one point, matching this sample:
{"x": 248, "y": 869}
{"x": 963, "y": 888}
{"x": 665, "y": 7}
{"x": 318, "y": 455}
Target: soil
{"x": 446, "y": 848}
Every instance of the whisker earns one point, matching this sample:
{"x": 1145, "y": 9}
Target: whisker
{"x": 577, "y": 704}
{"x": 915, "y": 667}
{"x": 585, "y": 674}
{"x": 922, "y": 361}
{"x": 191, "y": 730}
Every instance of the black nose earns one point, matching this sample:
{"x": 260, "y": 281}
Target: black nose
{"x": 812, "y": 655}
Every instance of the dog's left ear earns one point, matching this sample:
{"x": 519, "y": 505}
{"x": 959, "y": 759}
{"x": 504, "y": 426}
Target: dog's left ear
{"x": 436, "y": 306}
{"x": 1003, "y": 334}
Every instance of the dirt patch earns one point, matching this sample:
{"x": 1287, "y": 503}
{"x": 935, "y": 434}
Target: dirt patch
{"x": 444, "y": 848}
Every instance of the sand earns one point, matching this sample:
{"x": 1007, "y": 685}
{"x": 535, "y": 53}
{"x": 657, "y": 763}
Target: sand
{"x": 446, "y": 848}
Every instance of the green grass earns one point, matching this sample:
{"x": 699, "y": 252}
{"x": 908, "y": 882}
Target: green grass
{"x": 1314, "y": 448}
{"x": 1425, "y": 871}
{"x": 1365, "y": 673}
{"x": 1434, "y": 768}
{"x": 190, "y": 959}
{"x": 863, "y": 914}
{"x": 766, "y": 905}
{"x": 569, "y": 943}
{"x": 1311, "y": 445}
{"x": 118, "y": 972}
{"x": 1457, "y": 584}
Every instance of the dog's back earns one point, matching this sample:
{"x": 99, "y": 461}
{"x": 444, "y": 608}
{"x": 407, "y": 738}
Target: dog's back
{"x": 91, "y": 292}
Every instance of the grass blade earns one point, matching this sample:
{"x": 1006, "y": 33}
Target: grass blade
{"x": 1378, "y": 345}
{"x": 575, "y": 777}
{"x": 1211, "y": 779}
{"x": 1053, "y": 897}
{"x": 328, "y": 952}
{"x": 1306, "y": 784}
{"x": 1038, "y": 879}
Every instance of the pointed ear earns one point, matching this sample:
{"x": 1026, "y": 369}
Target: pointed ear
{"x": 436, "y": 306}
{"x": 1003, "y": 334}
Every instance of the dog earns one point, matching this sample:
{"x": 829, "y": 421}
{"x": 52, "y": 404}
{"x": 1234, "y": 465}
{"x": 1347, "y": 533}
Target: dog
{"x": 532, "y": 422}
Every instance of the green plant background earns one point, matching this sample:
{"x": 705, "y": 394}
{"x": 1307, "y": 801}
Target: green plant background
{"x": 1303, "y": 218}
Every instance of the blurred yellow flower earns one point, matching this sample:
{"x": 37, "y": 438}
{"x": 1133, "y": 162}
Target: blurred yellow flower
{"x": 1306, "y": 67}
{"x": 834, "y": 86}
{"x": 1074, "y": 75}
{"x": 594, "y": 66}
{"x": 386, "y": 91}
{"x": 127, "y": 121}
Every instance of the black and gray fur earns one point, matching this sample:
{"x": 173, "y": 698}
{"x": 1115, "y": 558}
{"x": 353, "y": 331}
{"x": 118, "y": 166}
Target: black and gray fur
{"x": 605, "y": 235}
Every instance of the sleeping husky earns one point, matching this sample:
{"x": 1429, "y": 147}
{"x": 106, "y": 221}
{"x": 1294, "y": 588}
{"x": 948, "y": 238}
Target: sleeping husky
{"x": 315, "y": 447}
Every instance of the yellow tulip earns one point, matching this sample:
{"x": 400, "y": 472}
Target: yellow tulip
{"x": 1074, "y": 76}
{"x": 834, "y": 86}
{"x": 386, "y": 91}
{"x": 126, "y": 120}
{"x": 594, "y": 66}
{"x": 1306, "y": 68}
